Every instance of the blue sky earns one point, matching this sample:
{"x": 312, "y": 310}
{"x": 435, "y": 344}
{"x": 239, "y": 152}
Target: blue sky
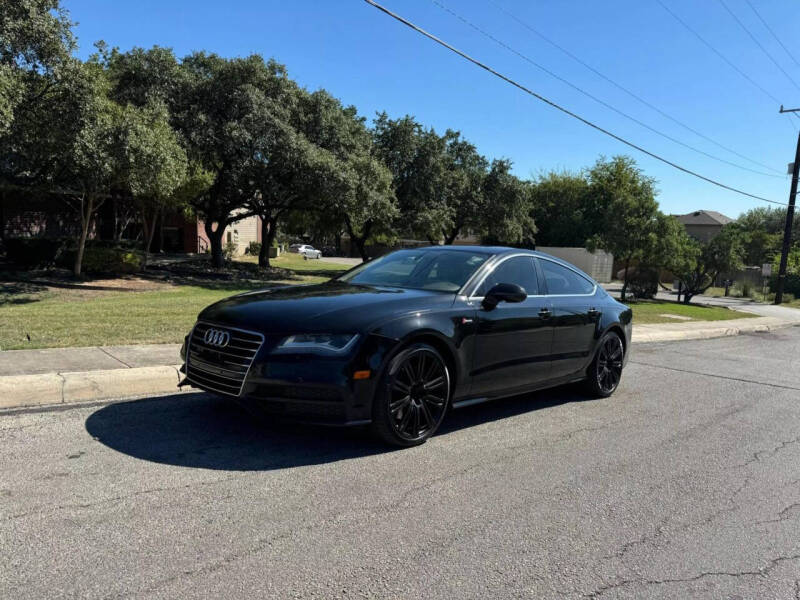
{"x": 369, "y": 60}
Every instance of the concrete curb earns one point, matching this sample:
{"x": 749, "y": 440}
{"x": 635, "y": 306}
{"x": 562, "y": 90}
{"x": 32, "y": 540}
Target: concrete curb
{"x": 766, "y": 324}
{"x": 74, "y": 387}
{"x": 23, "y": 391}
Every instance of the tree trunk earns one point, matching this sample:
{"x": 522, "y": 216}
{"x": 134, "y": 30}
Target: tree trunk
{"x": 215, "y": 241}
{"x": 625, "y": 280}
{"x": 450, "y": 237}
{"x": 269, "y": 230}
{"x": 149, "y": 233}
{"x": 161, "y": 234}
{"x": 2, "y": 216}
{"x": 359, "y": 241}
{"x": 87, "y": 208}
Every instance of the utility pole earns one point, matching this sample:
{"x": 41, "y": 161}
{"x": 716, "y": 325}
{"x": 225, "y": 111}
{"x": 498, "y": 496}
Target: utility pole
{"x": 787, "y": 232}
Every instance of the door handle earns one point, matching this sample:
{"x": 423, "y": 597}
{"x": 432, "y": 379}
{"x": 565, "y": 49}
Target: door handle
{"x": 544, "y": 312}
{"x": 593, "y": 312}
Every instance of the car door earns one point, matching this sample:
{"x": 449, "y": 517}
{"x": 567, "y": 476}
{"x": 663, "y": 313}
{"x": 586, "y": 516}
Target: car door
{"x": 512, "y": 345}
{"x": 575, "y": 316}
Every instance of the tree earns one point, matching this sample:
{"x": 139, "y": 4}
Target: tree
{"x": 631, "y": 216}
{"x": 284, "y": 170}
{"x": 90, "y": 163}
{"x": 214, "y": 111}
{"x": 153, "y": 164}
{"x": 762, "y": 233}
{"x": 367, "y": 205}
{"x": 35, "y": 41}
{"x": 723, "y": 253}
{"x": 507, "y": 207}
{"x": 564, "y": 209}
{"x": 666, "y": 246}
{"x": 464, "y": 199}
{"x": 416, "y": 158}
{"x": 349, "y": 185}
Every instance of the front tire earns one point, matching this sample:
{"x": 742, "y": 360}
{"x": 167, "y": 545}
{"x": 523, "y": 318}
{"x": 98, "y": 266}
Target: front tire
{"x": 412, "y": 398}
{"x": 605, "y": 371}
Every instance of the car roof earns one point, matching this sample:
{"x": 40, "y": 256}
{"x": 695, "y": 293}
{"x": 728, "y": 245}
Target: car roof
{"x": 459, "y": 248}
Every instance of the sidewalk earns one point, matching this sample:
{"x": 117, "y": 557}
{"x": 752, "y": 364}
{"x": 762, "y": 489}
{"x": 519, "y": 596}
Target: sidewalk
{"x": 69, "y": 375}
{"x": 30, "y": 378}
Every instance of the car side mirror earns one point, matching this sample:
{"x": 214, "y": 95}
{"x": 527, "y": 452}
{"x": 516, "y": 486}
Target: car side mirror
{"x": 504, "y": 292}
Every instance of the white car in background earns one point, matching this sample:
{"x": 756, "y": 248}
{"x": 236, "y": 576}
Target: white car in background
{"x": 305, "y": 251}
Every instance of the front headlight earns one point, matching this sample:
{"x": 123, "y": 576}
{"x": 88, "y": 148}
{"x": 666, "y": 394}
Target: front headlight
{"x": 326, "y": 343}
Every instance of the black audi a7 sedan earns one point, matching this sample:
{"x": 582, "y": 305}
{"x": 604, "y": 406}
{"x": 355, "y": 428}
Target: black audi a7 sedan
{"x": 398, "y": 341}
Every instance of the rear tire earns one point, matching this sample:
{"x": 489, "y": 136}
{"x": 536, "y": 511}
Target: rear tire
{"x": 605, "y": 372}
{"x": 412, "y": 397}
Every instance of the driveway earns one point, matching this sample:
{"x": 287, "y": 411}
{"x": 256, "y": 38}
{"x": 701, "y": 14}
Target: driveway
{"x": 685, "y": 484}
{"x": 342, "y": 260}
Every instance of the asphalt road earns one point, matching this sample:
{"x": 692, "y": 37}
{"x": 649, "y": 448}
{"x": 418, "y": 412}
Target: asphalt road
{"x": 685, "y": 484}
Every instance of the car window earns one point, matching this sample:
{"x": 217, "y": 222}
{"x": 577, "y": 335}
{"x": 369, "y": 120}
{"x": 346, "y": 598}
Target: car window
{"x": 563, "y": 281}
{"x": 444, "y": 271}
{"x": 519, "y": 270}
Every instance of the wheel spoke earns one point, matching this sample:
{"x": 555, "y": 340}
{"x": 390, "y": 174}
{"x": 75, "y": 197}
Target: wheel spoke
{"x": 421, "y": 366}
{"x": 401, "y": 387}
{"x": 435, "y": 400}
{"x": 396, "y": 405}
{"x": 427, "y": 414}
{"x": 406, "y": 370}
{"x": 405, "y": 420}
{"x": 434, "y": 383}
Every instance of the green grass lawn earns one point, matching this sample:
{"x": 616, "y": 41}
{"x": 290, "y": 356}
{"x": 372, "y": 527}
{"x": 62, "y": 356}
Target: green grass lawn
{"x": 56, "y": 317}
{"x": 295, "y": 262}
{"x": 648, "y": 312}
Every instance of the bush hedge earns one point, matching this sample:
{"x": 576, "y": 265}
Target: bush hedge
{"x": 105, "y": 260}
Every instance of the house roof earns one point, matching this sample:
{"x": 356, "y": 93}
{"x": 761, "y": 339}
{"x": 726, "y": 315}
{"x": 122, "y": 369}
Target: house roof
{"x": 704, "y": 217}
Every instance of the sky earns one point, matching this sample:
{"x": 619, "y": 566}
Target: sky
{"x": 367, "y": 59}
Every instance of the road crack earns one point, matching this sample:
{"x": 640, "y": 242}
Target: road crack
{"x": 761, "y": 572}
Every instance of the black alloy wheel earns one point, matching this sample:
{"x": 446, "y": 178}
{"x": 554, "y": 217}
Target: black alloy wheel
{"x": 606, "y": 370}
{"x": 413, "y": 399}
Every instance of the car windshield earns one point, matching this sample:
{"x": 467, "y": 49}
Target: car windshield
{"x": 441, "y": 270}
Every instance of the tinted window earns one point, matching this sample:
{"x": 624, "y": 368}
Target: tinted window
{"x": 440, "y": 270}
{"x": 519, "y": 270}
{"x": 561, "y": 280}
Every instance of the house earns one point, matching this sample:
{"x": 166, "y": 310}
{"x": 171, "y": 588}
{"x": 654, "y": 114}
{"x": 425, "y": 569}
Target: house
{"x": 240, "y": 233}
{"x": 703, "y": 225}
{"x": 49, "y": 217}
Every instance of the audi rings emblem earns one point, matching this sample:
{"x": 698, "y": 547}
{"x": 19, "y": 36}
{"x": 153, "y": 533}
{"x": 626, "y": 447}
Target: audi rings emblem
{"x": 217, "y": 337}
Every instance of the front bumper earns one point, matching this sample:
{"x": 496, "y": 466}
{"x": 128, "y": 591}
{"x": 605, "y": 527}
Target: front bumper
{"x": 307, "y": 387}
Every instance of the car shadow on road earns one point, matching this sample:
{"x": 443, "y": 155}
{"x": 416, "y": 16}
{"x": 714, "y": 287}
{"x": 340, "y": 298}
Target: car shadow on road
{"x": 202, "y": 431}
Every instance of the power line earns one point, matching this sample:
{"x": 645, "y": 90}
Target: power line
{"x": 722, "y": 56}
{"x": 566, "y": 111}
{"x": 755, "y": 39}
{"x": 626, "y": 90}
{"x": 777, "y": 39}
{"x": 595, "y": 98}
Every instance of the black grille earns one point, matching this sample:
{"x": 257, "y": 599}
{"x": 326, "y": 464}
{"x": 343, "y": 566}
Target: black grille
{"x": 218, "y": 369}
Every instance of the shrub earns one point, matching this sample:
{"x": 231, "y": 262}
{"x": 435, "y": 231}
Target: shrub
{"x": 229, "y": 250}
{"x": 35, "y": 252}
{"x": 105, "y": 260}
{"x": 791, "y": 284}
{"x": 253, "y": 248}
{"x": 643, "y": 282}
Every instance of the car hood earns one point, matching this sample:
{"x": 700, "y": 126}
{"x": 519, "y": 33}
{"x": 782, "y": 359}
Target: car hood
{"x": 331, "y": 307}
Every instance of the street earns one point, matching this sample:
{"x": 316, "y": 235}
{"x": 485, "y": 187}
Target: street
{"x": 684, "y": 484}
